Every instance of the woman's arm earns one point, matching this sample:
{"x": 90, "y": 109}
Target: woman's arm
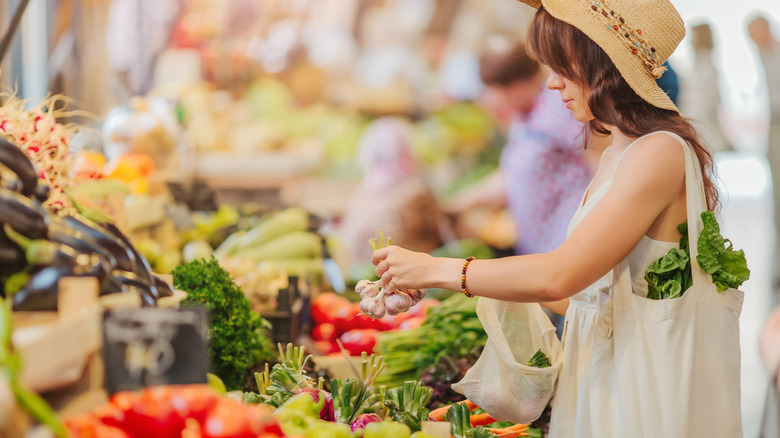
{"x": 650, "y": 178}
{"x": 558, "y": 307}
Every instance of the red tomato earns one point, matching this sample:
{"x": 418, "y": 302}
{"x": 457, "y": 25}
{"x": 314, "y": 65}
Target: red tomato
{"x": 325, "y": 307}
{"x": 324, "y": 332}
{"x": 89, "y": 426}
{"x": 228, "y": 419}
{"x": 345, "y": 318}
{"x": 153, "y": 414}
{"x": 194, "y": 401}
{"x": 360, "y": 340}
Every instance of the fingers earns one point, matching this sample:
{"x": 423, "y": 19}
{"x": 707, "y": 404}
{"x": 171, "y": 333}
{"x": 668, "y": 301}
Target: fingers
{"x": 381, "y": 268}
{"x": 379, "y": 255}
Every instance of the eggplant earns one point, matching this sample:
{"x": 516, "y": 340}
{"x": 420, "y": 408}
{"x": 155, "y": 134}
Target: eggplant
{"x": 124, "y": 256}
{"x": 78, "y": 240}
{"x": 42, "y": 192}
{"x": 24, "y": 215}
{"x": 143, "y": 268}
{"x": 149, "y": 293}
{"x": 15, "y": 159}
{"x": 40, "y": 293}
{"x": 163, "y": 288}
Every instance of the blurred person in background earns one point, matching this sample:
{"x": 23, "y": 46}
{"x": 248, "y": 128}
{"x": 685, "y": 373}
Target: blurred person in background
{"x": 544, "y": 169}
{"x": 769, "y": 52}
{"x": 393, "y": 195}
{"x": 701, "y": 94}
{"x": 137, "y": 32}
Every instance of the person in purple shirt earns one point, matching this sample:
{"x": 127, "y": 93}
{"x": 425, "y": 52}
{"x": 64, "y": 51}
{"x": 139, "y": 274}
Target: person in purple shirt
{"x": 545, "y": 166}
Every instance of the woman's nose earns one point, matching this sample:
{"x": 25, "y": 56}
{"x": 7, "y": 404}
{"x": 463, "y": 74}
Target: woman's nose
{"x": 555, "y": 81}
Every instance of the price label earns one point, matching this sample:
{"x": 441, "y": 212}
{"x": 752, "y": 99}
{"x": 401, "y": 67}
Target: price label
{"x": 149, "y": 347}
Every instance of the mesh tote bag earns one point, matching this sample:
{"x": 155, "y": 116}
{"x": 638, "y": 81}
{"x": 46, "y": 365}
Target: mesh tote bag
{"x": 500, "y": 382}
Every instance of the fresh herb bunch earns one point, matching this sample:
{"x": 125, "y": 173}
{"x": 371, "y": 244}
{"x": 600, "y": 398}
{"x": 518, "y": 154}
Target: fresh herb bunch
{"x": 238, "y": 336}
{"x": 539, "y": 360}
{"x": 460, "y": 417}
{"x": 670, "y": 276}
{"x": 407, "y": 404}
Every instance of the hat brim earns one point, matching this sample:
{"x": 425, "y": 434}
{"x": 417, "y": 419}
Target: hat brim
{"x": 631, "y": 67}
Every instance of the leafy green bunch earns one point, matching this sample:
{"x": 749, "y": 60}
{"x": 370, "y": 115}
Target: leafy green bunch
{"x": 238, "y": 336}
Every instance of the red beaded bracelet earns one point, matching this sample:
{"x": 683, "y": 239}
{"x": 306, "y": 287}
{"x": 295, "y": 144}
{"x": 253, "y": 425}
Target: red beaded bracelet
{"x": 463, "y": 278}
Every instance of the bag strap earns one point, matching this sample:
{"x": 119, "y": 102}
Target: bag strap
{"x": 696, "y": 204}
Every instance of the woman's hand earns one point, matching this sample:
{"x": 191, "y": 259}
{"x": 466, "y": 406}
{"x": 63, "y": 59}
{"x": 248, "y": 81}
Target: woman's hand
{"x": 400, "y": 269}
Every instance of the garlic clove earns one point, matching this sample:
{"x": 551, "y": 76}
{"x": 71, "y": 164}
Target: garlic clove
{"x": 416, "y": 294}
{"x": 397, "y": 303}
{"x": 373, "y": 307}
{"x": 367, "y": 289}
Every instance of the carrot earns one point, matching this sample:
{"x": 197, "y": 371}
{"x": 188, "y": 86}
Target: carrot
{"x": 482, "y": 420}
{"x": 518, "y": 427}
{"x": 505, "y": 433}
{"x": 438, "y": 414}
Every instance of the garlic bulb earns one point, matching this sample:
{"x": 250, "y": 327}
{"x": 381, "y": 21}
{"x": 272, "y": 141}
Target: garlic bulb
{"x": 397, "y": 303}
{"x": 367, "y": 289}
{"x": 416, "y": 294}
{"x": 374, "y": 307}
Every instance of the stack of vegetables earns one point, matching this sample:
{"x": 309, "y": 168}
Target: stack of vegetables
{"x": 238, "y": 336}
{"x": 337, "y": 318}
{"x": 38, "y": 247}
{"x": 355, "y": 406}
{"x": 451, "y": 330}
{"x": 186, "y": 411}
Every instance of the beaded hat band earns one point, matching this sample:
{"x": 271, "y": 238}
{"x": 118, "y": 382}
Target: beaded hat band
{"x": 637, "y": 35}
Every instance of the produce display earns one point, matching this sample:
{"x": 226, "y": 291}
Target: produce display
{"x": 670, "y": 276}
{"x": 357, "y": 406}
{"x": 337, "y": 318}
{"x": 40, "y": 247}
{"x": 451, "y": 329}
{"x": 238, "y": 336}
{"x": 187, "y": 411}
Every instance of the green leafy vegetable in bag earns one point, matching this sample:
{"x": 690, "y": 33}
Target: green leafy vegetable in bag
{"x": 670, "y": 276}
{"x": 718, "y": 258}
{"x": 539, "y": 360}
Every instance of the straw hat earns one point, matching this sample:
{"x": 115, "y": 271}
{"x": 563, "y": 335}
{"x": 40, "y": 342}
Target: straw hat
{"x": 637, "y": 35}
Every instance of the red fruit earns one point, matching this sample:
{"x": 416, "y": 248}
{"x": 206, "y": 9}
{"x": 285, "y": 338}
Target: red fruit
{"x": 228, "y": 419}
{"x": 325, "y": 307}
{"x": 324, "y": 332}
{"x": 194, "y": 401}
{"x": 89, "y": 426}
{"x": 153, "y": 414}
{"x": 360, "y": 340}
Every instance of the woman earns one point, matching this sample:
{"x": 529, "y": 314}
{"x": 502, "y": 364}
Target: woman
{"x": 631, "y": 366}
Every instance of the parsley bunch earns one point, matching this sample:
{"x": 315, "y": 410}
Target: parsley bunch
{"x": 238, "y": 336}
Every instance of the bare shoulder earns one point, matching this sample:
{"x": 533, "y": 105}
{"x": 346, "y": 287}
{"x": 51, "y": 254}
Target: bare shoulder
{"x": 655, "y": 157}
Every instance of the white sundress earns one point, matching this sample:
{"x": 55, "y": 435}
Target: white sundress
{"x": 592, "y": 399}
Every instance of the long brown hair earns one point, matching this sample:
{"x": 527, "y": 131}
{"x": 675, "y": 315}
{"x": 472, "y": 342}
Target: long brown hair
{"x": 572, "y": 54}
